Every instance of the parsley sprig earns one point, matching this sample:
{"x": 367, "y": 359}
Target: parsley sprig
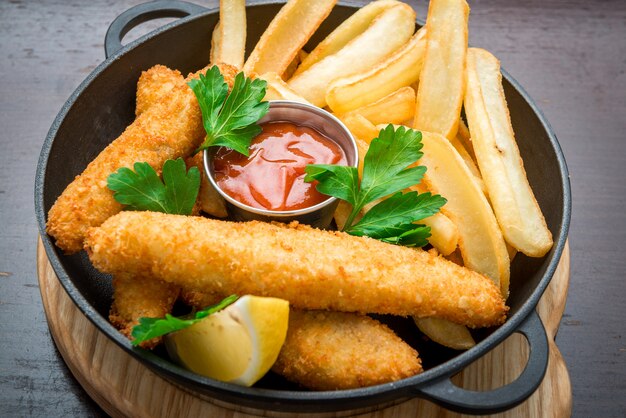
{"x": 149, "y": 328}
{"x": 386, "y": 171}
{"x": 230, "y": 120}
{"x": 142, "y": 189}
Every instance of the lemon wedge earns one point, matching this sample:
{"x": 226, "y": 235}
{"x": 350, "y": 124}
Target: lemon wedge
{"x": 238, "y": 344}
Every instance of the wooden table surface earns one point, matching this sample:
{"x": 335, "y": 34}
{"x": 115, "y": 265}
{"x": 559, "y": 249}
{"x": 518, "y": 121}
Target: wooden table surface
{"x": 570, "y": 55}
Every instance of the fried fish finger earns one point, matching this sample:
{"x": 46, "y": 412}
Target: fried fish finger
{"x": 167, "y": 130}
{"x": 154, "y": 85}
{"x": 137, "y": 296}
{"x": 337, "y": 350}
{"x": 334, "y": 350}
{"x": 343, "y": 273}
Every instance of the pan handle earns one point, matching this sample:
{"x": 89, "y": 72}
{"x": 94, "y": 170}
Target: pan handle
{"x": 450, "y": 396}
{"x": 144, "y": 12}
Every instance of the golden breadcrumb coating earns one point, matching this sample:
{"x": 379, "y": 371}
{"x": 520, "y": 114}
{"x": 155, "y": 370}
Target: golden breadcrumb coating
{"x": 311, "y": 268}
{"x": 337, "y": 350}
{"x": 167, "y": 130}
{"x": 334, "y": 350}
{"x": 198, "y": 299}
{"x": 137, "y": 296}
{"x": 155, "y": 85}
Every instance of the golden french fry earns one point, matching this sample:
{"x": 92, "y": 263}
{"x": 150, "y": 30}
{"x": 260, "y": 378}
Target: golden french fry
{"x": 360, "y": 127}
{"x": 362, "y": 148}
{"x": 394, "y": 108}
{"x": 446, "y": 333}
{"x": 401, "y": 68}
{"x": 341, "y": 214}
{"x": 216, "y": 44}
{"x": 388, "y": 32}
{"x": 444, "y": 235}
{"x": 345, "y": 32}
{"x": 228, "y": 44}
{"x": 480, "y": 239}
{"x": 514, "y": 204}
{"x": 292, "y": 67}
{"x": 512, "y": 251}
{"x": 442, "y": 80}
{"x": 456, "y": 143}
{"x": 286, "y": 34}
{"x": 463, "y": 133}
{"x": 277, "y": 89}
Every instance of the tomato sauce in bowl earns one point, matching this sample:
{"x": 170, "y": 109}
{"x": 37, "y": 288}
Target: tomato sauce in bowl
{"x": 272, "y": 176}
{"x": 269, "y": 184}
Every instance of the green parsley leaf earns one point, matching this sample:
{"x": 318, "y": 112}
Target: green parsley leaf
{"x": 415, "y": 236}
{"x": 149, "y": 328}
{"x": 230, "y": 119}
{"x": 335, "y": 180}
{"x": 385, "y": 166}
{"x": 384, "y": 219}
{"x": 386, "y": 172}
{"x": 142, "y": 189}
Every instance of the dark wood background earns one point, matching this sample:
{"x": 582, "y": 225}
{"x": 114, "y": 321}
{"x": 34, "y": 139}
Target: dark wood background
{"x": 570, "y": 55}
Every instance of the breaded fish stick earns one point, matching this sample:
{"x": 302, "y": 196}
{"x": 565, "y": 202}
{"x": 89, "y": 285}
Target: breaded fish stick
{"x": 137, "y": 296}
{"x": 334, "y": 350}
{"x": 338, "y": 350}
{"x": 168, "y": 130}
{"x": 154, "y": 86}
{"x": 312, "y": 269}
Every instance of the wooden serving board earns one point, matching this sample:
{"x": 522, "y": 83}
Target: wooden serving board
{"x": 123, "y": 386}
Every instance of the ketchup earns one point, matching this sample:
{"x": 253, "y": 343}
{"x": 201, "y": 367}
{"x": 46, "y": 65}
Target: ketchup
{"x": 272, "y": 177}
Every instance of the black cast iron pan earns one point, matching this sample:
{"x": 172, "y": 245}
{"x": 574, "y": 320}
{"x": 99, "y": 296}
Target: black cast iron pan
{"x": 103, "y": 105}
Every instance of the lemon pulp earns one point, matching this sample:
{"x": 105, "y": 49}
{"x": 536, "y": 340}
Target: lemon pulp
{"x": 238, "y": 344}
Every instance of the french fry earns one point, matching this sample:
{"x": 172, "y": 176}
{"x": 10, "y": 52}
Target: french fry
{"x": 228, "y": 44}
{"x": 401, "y": 68}
{"x": 463, "y": 134}
{"x": 388, "y": 32}
{"x": 514, "y": 204}
{"x": 446, "y": 333}
{"x": 360, "y": 127}
{"x": 216, "y": 44}
{"x": 277, "y": 89}
{"x": 345, "y": 32}
{"x": 442, "y": 80}
{"x": 292, "y": 67}
{"x": 341, "y": 214}
{"x": 394, "y": 108}
{"x": 456, "y": 143}
{"x": 512, "y": 251}
{"x": 480, "y": 239}
{"x": 444, "y": 235}
{"x": 286, "y": 34}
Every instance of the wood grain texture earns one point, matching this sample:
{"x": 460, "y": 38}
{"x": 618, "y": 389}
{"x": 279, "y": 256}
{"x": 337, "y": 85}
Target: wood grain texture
{"x": 122, "y": 386}
{"x": 570, "y": 55}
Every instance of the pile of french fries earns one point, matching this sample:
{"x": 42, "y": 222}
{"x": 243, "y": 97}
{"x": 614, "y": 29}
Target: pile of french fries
{"x": 374, "y": 70}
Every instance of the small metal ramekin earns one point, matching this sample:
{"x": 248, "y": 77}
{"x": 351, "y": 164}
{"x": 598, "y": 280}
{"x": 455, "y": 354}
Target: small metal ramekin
{"x": 318, "y": 216}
